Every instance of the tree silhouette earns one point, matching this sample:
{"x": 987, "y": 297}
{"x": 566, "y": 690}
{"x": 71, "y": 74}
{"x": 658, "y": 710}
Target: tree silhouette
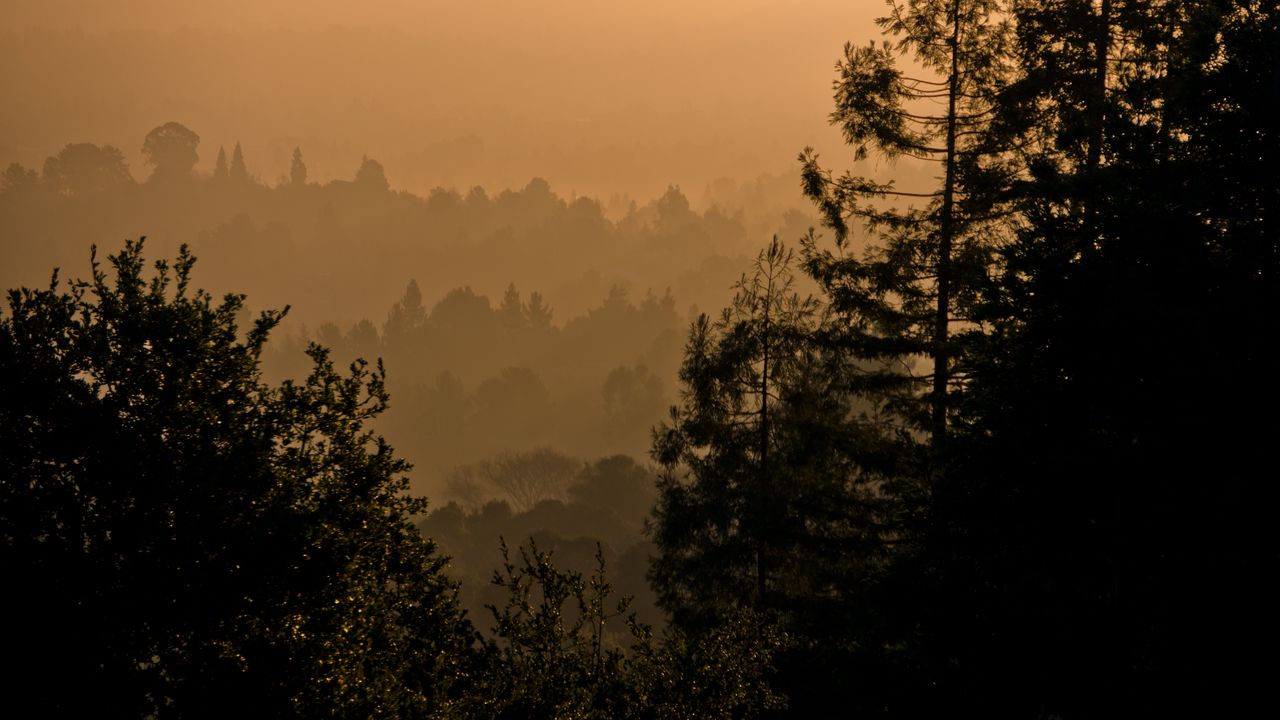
{"x": 171, "y": 150}
{"x": 238, "y": 171}
{"x": 183, "y": 539}
{"x": 371, "y": 175}
{"x": 297, "y": 169}
{"x": 773, "y": 482}
{"x": 83, "y": 168}
{"x": 17, "y": 178}
{"x": 910, "y": 288}
{"x": 527, "y": 478}
{"x": 220, "y": 171}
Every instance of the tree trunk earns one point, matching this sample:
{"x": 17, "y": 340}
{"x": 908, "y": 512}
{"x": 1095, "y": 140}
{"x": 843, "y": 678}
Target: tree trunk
{"x": 946, "y": 232}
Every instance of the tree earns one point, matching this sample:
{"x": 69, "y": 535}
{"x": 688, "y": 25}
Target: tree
{"x": 538, "y": 313}
{"x": 17, "y": 178}
{"x": 297, "y": 169}
{"x": 511, "y": 311}
{"x": 633, "y": 400}
{"x": 530, "y": 477}
{"x": 616, "y": 483}
{"x": 238, "y": 172}
{"x": 553, "y": 654}
{"x": 907, "y": 291}
{"x": 182, "y": 539}
{"x": 171, "y": 150}
{"x": 371, "y": 175}
{"x": 1089, "y": 546}
{"x": 220, "y": 171}
{"x": 82, "y": 168}
{"x": 406, "y": 318}
{"x": 770, "y": 494}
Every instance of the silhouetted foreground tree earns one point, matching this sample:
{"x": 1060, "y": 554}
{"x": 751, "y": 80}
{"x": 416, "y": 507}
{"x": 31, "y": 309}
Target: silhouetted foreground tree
{"x": 1093, "y": 538}
{"x": 180, "y": 539}
{"x": 553, "y": 657}
{"x": 1101, "y": 534}
{"x": 774, "y": 479}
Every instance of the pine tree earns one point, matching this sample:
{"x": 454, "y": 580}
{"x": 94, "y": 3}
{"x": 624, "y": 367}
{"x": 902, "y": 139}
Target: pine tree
{"x": 239, "y": 173}
{"x": 772, "y": 483}
{"x": 903, "y": 296}
{"x": 297, "y": 169}
{"x": 1113, "y": 442}
{"x": 220, "y": 168}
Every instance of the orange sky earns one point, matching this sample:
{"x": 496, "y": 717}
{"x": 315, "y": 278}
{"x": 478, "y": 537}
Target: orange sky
{"x": 597, "y": 97}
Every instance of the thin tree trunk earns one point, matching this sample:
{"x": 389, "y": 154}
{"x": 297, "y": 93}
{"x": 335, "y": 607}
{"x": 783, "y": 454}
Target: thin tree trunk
{"x": 1102, "y": 47}
{"x": 764, "y": 438}
{"x": 941, "y": 373}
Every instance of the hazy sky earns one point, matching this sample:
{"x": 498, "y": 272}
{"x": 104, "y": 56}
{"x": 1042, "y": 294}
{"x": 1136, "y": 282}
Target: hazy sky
{"x": 597, "y": 97}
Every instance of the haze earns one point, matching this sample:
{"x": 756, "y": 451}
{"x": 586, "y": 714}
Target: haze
{"x": 518, "y": 206}
{"x": 598, "y": 98}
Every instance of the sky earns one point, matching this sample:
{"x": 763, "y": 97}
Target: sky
{"x": 599, "y": 98}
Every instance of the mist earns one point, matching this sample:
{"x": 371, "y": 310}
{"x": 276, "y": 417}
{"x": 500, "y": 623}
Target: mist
{"x": 598, "y": 100}
{"x": 638, "y": 359}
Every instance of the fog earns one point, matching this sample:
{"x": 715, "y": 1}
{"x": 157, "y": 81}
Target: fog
{"x": 597, "y": 98}
{"x": 519, "y": 207}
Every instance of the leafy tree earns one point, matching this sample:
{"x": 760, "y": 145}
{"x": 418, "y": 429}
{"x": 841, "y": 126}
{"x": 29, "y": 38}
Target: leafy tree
{"x": 554, "y": 655}
{"x": 17, "y": 178}
{"x": 633, "y": 400}
{"x": 171, "y": 150}
{"x": 616, "y": 483}
{"x": 371, "y": 175}
{"x": 181, "y": 539}
{"x": 527, "y": 478}
{"x": 82, "y": 168}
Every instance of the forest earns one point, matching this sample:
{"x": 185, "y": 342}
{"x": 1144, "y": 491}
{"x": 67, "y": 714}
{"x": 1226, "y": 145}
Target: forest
{"x": 971, "y": 418}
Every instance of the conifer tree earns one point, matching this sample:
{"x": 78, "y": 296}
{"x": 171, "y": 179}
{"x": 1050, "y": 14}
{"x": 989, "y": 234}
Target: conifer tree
{"x": 238, "y": 171}
{"x": 220, "y": 168}
{"x": 917, "y": 277}
{"x": 1113, "y": 434}
{"x": 773, "y": 479}
{"x": 297, "y": 169}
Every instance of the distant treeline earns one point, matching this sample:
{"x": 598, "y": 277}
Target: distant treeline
{"x": 472, "y": 379}
{"x": 1012, "y": 459}
{"x": 341, "y": 251}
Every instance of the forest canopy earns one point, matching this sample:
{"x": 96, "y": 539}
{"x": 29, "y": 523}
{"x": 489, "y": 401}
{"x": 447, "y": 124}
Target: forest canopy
{"x": 989, "y": 440}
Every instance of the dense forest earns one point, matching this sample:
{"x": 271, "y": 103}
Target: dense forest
{"x": 989, "y": 440}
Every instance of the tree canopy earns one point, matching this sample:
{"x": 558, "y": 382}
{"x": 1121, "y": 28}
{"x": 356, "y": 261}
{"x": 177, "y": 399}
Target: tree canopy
{"x": 171, "y": 150}
{"x": 190, "y": 541}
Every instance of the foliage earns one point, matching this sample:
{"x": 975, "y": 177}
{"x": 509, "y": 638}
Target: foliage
{"x": 188, "y": 541}
{"x": 1106, "y": 501}
{"x": 775, "y": 479}
{"x": 527, "y": 478}
{"x": 239, "y": 172}
{"x": 371, "y": 175}
{"x": 901, "y": 294}
{"x": 83, "y": 168}
{"x": 617, "y": 483}
{"x": 297, "y": 169}
{"x": 171, "y": 150}
{"x": 553, "y": 654}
